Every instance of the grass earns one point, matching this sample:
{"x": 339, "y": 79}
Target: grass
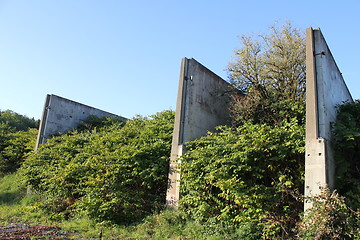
{"x": 18, "y": 207}
{"x": 12, "y": 190}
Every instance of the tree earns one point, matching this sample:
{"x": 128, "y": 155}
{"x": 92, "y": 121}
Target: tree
{"x": 17, "y": 121}
{"x": 270, "y": 72}
{"x": 248, "y": 175}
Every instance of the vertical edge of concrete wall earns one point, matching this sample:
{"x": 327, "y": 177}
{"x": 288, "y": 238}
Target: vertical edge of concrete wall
{"x": 202, "y": 104}
{"x": 311, "y": 91}
{"x": 40, "y": 137}
{"x": 172, "y": 194}
{"x": 61, "y": 115}
{"x": 325, "y": 89}
{"x": 314, "y": 172}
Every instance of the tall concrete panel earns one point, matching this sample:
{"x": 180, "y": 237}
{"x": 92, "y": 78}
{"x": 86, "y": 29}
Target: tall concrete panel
{"x": 202, "y": 104}
{"x": 325, "y": 88}
{"x": 61, "y": 115}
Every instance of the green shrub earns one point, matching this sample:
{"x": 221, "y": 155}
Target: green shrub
{"x": 117, "y": 173}
{"x": 329, "y": 218}
{"x": 14, "y": 147}
{"x": 17, "y": 139}
{"x": 93, "y": 122}
{"x": 244, "y": 177}
{"x": 347, "y": 147}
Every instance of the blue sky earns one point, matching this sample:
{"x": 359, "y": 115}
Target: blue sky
{"x": 124, "y": 56}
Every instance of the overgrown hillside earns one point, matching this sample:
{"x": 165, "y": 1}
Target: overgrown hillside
{"x": 114, "y": 173}
{"x": 108, "y": 179}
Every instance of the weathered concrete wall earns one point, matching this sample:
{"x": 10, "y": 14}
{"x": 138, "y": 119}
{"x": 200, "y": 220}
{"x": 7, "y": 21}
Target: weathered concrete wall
{"x": 202, "y": 104}
{"x": 61, "y": 115}
{"x": 325, "y": 88}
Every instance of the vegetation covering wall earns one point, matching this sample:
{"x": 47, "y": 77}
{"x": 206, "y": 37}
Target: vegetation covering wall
{"x": 245, "y": 177}
{"x": 251, "y": 175}
{"x": 115, "y": 173}
{"x": 242, "y": 182}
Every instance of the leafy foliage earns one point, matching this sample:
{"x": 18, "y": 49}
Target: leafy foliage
{"x": 14, "y": 148}
{"x": 17, "y": 139}
{"x": 94, "y": 121}
{"x": 248, "y": 176}
{"x": 245, "y": 176}
{"x": 270, "y": 72}
{"x": 329, "y": 218}
{"x": 116, "y": 173}
{"x": 347, "y": 146}
{"x": 16, "y": 121}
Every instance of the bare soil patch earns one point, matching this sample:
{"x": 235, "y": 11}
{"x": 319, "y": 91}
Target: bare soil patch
{"x": 26, "y": 231}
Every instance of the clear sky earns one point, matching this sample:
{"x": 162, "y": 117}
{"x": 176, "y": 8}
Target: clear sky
{"x": 124, "y": 56}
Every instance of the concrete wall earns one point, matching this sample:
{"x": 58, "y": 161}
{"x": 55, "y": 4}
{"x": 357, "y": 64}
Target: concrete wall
{"x": 325, "y": 88}
{"x": 61, "y": 115}
{"x": 202, "y": 104}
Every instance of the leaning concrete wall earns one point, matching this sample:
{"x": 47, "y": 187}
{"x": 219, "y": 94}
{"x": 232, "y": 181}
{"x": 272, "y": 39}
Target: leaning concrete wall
{"x": 202, "y": 104}
{"x": 61, "y": 115}
{"x": 325, "y": 88}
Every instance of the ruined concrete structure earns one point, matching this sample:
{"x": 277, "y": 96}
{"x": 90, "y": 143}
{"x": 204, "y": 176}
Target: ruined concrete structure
{"x": 202, "y": 104}
{"x": 61, "y": 115}
{"x": 325, "y": 89}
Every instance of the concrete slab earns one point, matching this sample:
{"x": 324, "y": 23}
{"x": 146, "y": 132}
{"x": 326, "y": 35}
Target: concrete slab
{"x": 325, "y": 89}
{"x": 202, "y": 104}
{"x": 61, "y": 115}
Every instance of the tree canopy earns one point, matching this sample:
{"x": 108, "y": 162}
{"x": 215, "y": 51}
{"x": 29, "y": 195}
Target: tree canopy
{"x": 269, "y": 69}
{"x": 17, "y": 121}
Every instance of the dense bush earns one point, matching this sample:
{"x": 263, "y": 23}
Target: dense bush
{"x": 347, "y": 148}
{"x": 115, "y": 173}
{"x": 17, "y": 139}
{"x": 251, "y": 176}
{"x": 245, "y": 177}
{"x": 329, "y": 218}
{"x": 14, "y": 147}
